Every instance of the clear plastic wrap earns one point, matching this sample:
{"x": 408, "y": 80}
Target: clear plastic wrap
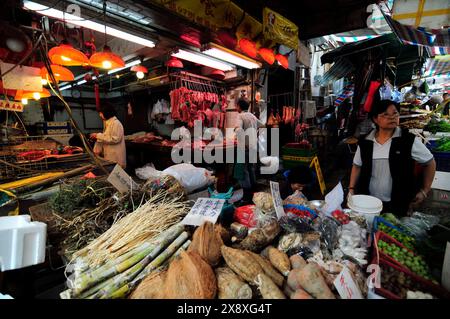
{"x": 418, "y": 224}
{"x": 330, "y": 230}
{"x": 292, "y": 223}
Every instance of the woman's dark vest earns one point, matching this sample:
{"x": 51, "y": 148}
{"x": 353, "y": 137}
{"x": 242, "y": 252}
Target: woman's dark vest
{"x": 401, "y": 166}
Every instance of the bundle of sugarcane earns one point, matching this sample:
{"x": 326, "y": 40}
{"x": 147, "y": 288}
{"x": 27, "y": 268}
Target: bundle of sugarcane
{"x": 117, "y": 278}
{"x": 143, "y": 224}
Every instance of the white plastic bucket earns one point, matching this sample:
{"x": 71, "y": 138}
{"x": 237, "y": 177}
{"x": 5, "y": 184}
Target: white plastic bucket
{"x": 22, "y": 242}
{"x": 367, "y": 206}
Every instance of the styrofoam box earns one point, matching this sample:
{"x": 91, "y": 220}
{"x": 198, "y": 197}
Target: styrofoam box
{"x": 441, "y": 181}
{"x": 22, "y": 242}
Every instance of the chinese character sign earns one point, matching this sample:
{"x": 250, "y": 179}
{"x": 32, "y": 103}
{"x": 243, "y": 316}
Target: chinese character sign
{"x": 204, "y": 209}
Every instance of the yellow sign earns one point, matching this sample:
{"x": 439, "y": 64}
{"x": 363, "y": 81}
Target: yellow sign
{"x": 279, "y": 29}
{"x": 315, "y": 163}
{"x": 214, "y": 14}
{"x": 11, "y": 106}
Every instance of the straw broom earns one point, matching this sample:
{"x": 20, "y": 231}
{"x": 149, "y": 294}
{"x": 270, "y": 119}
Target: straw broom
{"x": 121, "y": 280}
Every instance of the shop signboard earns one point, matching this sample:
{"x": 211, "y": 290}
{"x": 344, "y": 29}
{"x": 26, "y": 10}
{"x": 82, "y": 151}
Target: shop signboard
{"x": 279, "y": 29}
{"x": 214, "y": 15}
{"x": 204, "y": 209}
{"x": 11, "y": 106}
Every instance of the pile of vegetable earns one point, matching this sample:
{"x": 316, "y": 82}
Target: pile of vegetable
{"x": 399, "y": 283}
{"x": 437, "y": 126}
{"x": 442, "y": 145}
{"x": 407, "y": 241}
{"x": 405, "y": 257}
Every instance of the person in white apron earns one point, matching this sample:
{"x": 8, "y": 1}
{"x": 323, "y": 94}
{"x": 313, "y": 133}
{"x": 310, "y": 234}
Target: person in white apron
{"x": 111, "y": 143}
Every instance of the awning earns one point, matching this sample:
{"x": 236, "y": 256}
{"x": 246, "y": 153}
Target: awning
{"x": 436, "y": 67}
{"x": 341, "y": 68}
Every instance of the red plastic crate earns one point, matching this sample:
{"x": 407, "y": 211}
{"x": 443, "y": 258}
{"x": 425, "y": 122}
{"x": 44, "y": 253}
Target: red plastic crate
{"x": 388, "y": 239}
{"x": 424, "y": 285}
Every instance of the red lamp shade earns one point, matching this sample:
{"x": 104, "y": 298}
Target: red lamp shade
{"x": 139, "y": 68}
{"x": 106, "y": 59}
{"x": 65, "y": 54}
{"x": 267, "y": 55}
{"x": 173, "y": 62}
{"x": 218, "y": 74}
{"x": 248, "y": 47}
{"x": 29, "y": 95}
{"x": 227, "y": 38}
{"x": 282, "y": 60}
{"x": 61, "y": 73}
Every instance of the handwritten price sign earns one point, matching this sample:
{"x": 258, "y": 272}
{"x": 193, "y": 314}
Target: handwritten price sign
{"x": 204, "y": 209}
{"x": 346, "y": 286}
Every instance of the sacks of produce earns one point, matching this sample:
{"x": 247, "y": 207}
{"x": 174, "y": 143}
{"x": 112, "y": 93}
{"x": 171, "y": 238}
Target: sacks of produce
{"x": 231, "y": 286}
{"x": 190, "y": 277}
{"x": 207, "y": 242}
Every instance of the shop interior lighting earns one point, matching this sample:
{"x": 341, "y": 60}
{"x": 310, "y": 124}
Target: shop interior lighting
{"x": 128, "y": 65}
{"x": 230, "y": 56}
{"x": 54, "y": 13}
{"x": 197, "y": 57}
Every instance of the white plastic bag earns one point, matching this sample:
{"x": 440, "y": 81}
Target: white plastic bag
{"x": 148, "y": 171}
{"x": 190, "y": 177}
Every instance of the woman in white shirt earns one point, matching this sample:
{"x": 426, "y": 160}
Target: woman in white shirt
{"x": 111, "y": 143}
{"x": 384, "y": 163}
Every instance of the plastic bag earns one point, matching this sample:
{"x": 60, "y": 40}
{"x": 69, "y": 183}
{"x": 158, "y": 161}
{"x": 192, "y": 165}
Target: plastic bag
{"x": 290, "y": 241}
{"x": 191, "y": 177}
{"x": 148, "y": 171}
{"x": 418, "y": 224}
{"x": 261, "y": 218}
{"x": 330, "y": 230}
{"x": 264, "y": 202}
{"x": 292, "y": 223}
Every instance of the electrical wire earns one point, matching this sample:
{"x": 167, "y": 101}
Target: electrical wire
{"x": 25, "y": 57}
{"x": 67, "y": 107}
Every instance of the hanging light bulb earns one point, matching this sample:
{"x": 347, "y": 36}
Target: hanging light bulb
{"x": 282, "y": 60}
{"x": 267, "y": 55}
{"x": 140, "y": 71}
{"x": 36, "y": 95}
{"x": 65, "y": 54}
{"x": 106, "y": 59}
{"x": 44, "y": 82}
{"x": 24, "y": 101}
{"x": 61, "y": 74}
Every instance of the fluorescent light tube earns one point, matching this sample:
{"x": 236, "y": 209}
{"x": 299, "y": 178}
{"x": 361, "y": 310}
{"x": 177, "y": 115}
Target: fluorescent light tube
{"x": 202, "y": 59}
{"x": 86, "y": 23}
{"x": 81, "y": 82}
{"x": 128, "y": 65}
{"x": 230, "y": 56}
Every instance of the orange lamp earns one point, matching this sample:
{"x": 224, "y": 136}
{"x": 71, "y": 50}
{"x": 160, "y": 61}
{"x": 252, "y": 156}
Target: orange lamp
{"x": 248, "y": 47}
{"x": 267, "y": 55}
{"x": 65, "y": 54}
{"x": 140, "y": 71}
{"x": 106, "y": 59}
{"x": 28, "y": 95}
{"x": 174, "y": 62}
{"x": 61, "y": 73}
{"x": 282, "y": 60}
